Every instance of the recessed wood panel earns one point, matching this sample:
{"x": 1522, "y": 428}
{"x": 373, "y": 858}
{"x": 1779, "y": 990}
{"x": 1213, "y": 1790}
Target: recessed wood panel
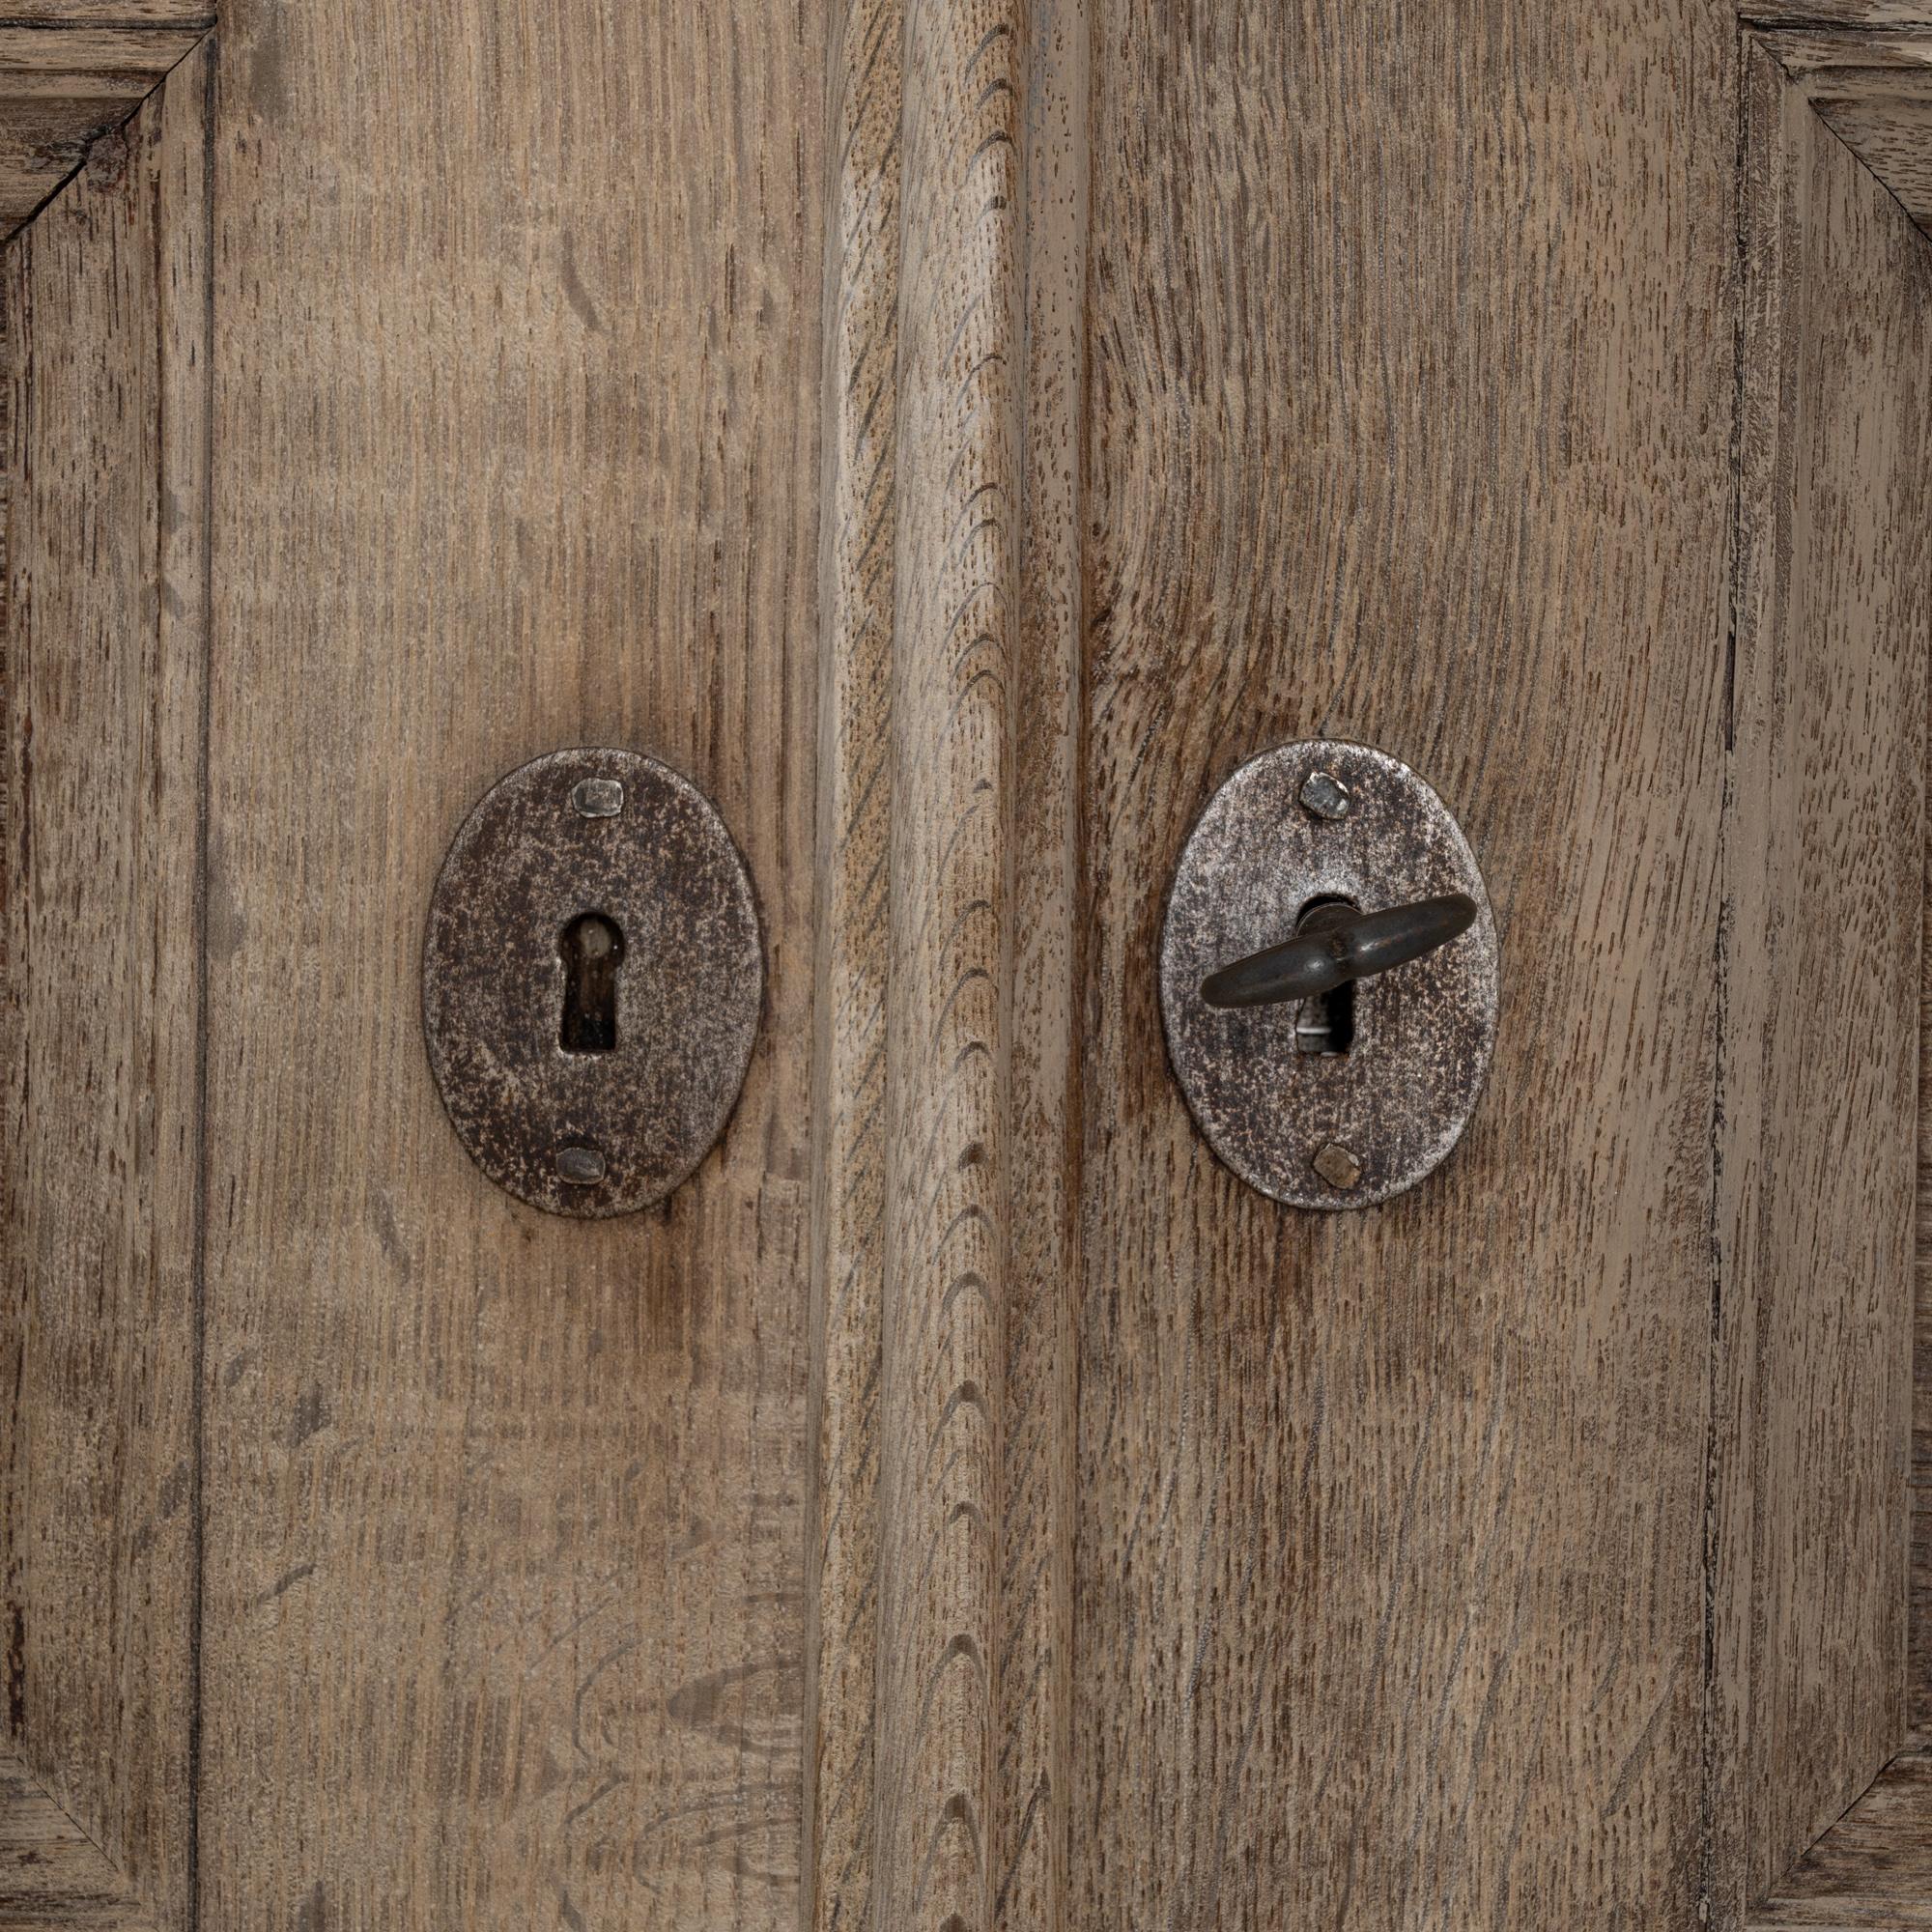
{"x": 964, "y": 1482}
{"x": 105, "y": 657}
{"x": 1824, "y": 856}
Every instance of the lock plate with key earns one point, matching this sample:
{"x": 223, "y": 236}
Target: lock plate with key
{"x": 1328, "y": 975}
{"x": 593, "y": 980}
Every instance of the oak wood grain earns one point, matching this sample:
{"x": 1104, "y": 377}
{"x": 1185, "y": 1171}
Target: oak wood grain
{"x": 1872, "y": 1870}
{"x": 1038, "y": 1507}
{"x": 51, "y": 1873}
{"x": 106, "y": 652}
{"x": 70, "y": 77}
{"x": 1824, "y": 860}
{"x": 517, "y": 446}
{"x": 1918, "y": 1683}
{"x": 948, "y": 1172}
{"x": 1411, "y": 393}
{"x": 1919, "y": 1675}
{"x": 1874, "y": 89}
{"x": 576, "y": 1575}
{"x": 109, "y": 14}
{"x": 949, "y": 992}
{"x": 1830, "y": 14}
{"x": 855, "y": 802}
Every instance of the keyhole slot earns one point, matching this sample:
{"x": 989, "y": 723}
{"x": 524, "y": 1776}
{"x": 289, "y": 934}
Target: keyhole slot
{"x": 591, "y": 947}
{"x": 1326, "y": 1023}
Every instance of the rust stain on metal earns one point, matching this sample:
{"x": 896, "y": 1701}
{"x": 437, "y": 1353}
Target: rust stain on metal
{"x": 1397, "y": 1101}
{"x": 591, "y": 1133}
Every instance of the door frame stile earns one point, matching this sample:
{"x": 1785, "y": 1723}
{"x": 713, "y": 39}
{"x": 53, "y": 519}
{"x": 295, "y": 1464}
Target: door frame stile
{"x": 945, "y": 1191}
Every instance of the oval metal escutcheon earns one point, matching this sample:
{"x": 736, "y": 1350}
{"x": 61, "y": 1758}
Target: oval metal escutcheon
{"x": 592, "y": 981}
{"x": 1342, "y": 1099}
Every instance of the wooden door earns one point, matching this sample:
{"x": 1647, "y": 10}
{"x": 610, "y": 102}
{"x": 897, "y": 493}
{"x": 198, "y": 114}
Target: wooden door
{"x": 955, "y": 435}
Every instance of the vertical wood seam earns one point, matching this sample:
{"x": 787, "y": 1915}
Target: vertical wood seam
{"x": 1727, "y": 1834}
{"x": 1713, "y": 1745}
{"x": 198, "y": 1208}
{"x": 1048, "y": 755}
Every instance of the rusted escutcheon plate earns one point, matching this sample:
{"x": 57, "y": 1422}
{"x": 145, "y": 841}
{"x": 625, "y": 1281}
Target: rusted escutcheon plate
{"x": 619, "y": 837}
{"x": 1325, "y": 820}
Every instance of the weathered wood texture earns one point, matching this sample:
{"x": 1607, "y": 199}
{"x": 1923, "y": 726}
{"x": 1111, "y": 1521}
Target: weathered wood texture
{"x": 518, "y": 355}
{"x": 1919, "y": 1681}
{"x": 948, "y": 1177}
{"x": 1874, "y": 89}
{"x": 855, "y": 804}
{"x": 1824, "y": 860}
{"x": 69, "y": 74}
{"x": 1918, "y": 1686}
{"x": 51, "y": 1873}
{"x": 1391, "y": 1569}
{"x": 952, "y": 928}
{"x": 1411, "y": 424}
{"x": 105, "y": 638}
{"x": 1038, "y": 1507}
{"x": 1872, "y": 1870}
{"x": 109, "y": 13}
{"x": 529, "y": 1543}
{"x": 1832, "y": 14}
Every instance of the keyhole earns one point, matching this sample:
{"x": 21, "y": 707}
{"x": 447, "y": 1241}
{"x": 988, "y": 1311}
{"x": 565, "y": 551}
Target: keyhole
{"x": 592, "y": 949}
{"x": 1326, "y": 1023}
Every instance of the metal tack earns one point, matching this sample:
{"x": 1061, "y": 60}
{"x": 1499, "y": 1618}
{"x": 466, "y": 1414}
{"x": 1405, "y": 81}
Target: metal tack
{"x": 1326, "y": 795}
{"x": 580, "y": 1166}
{"x": 1337, "y": 1166}
{"x": 598, "y": 798}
